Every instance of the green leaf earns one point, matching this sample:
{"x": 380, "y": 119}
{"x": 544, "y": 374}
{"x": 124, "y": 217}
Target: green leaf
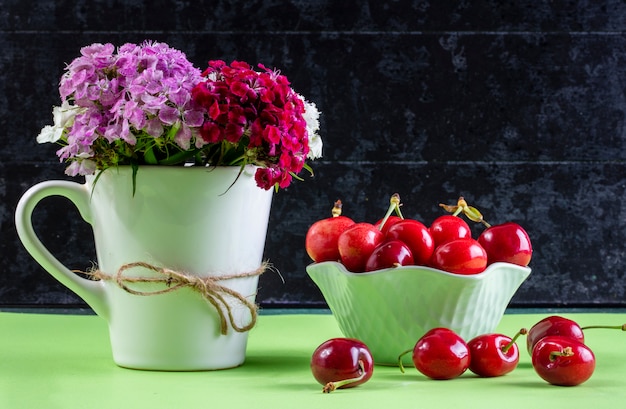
{"x": 95, "y": 180}
{"x": 135, "y": 167}
{"x": 309, "y": 169}
{"x": 149, "y": 156}
{"x": 179, "y": 157}
{"x": 473, "y": 214}
{"x": 173, "y": 131}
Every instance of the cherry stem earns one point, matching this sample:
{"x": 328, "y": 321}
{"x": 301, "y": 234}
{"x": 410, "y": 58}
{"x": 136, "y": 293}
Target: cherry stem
{"x": 400, "y": 359}
{"x": 508, "y": 346}
{"x": 331, "y": 386}
{"x": 470, "y": 212}
{"x": 622, "y": 327}
{"x": 394, "y": 204}
{"x": 337, "y": 208}
{"x": 567, "y": 351}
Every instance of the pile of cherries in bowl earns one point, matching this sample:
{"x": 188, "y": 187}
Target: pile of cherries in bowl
{"x": 446, "y": 244}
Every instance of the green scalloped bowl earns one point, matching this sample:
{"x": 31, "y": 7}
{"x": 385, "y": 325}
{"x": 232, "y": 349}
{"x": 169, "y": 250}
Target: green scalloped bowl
{"x": 390, "y": 309}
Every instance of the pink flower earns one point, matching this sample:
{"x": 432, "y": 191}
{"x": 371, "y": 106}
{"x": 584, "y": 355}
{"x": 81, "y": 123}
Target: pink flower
{"x": 140, "y": 90}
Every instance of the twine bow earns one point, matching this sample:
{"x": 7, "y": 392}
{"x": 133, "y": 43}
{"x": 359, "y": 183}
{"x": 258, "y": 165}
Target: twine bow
{"x": 209, "y": 287}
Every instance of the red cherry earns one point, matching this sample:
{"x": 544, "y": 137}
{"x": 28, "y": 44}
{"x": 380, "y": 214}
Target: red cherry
{"x": 440, "y": 354}
{"x": 493, "y": 354}
{"x": 507, "y": 242}
{"x": 563, "y": 361}
{"x": 556, "y": 325}
{"x": 462, "y": 256}
{"x": 416, "y": 236}
{"x": 321, "y": 238}
{"x": 392, "y": 253}
{"x": 342, "y": 363}
{"x": 357, "y": 243}
{"x": 447, "y": 228}
{"x": 553, "y": 325}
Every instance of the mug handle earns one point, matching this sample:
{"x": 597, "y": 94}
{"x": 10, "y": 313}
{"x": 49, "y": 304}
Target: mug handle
{"x": 92, "y": 292}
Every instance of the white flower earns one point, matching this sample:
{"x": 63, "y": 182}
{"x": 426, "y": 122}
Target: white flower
{"x": 63, "y": 117}
{"x": 311, "y": 116}
{"x": 315, "y": 146}
{"x": 49, "y": 134}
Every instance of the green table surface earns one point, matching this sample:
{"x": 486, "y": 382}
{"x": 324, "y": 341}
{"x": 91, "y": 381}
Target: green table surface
{"x": 64, "y": 361}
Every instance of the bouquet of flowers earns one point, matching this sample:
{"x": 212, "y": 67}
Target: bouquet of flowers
{"x": 148, "y": 105}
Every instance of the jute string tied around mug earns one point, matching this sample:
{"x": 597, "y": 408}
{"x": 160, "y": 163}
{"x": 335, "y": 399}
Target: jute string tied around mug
{"x": 208, "y": 287}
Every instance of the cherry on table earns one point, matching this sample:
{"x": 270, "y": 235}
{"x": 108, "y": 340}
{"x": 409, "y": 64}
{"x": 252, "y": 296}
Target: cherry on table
{"x": 553, "y": 325}
{"x": 342, "y": 363}
{"x": 563, "y": 361}
{"x": 439, "y": 354}
{"x": 494, "y": 354}
{"x": 557, "y": 325}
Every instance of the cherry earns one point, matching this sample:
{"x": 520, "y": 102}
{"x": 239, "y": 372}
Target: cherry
{"x": 507, "y": 242}
{"x": 447, "y": 228}
{"x": 416, "y": 236}
{"x": 440, "y": 354}
{"x": 357, "y": 243}
{"x": 563, "y": 361}
{"x": 392, "y": 253}
{"x": 323, "y": 235}
{"x": 461, "y": 256}
{"x": 494, "y": 354}
{"x": 557, "y": 325}
{"x": 553, "y": 325}
{"x": 342, "y": 363}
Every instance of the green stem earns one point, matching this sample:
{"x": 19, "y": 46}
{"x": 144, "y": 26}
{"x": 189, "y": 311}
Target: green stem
{"x": 462, "y": 207}
{"x": 398, "y": 212}
{"x": 331, "y": 386}
{"x": 567, "y": 351}
{"x": 400, "y": 359}
{"x": 394, "y": 204}
{"x": 508, "y": 346}
{"x": 622, "y": 327}
{"x": 171, "y": 134}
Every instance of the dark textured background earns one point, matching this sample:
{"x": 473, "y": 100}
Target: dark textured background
{"x": 517, "y": 105}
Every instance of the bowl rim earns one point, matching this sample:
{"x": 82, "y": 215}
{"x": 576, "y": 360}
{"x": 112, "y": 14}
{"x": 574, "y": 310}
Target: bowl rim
{"x": 490, "y": 268}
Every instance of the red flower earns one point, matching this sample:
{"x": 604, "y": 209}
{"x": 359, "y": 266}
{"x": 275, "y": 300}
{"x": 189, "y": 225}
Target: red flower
{"x": 259, "y": 114}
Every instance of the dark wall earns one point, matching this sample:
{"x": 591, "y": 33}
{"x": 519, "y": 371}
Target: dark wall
{"x": 518, "y": 106}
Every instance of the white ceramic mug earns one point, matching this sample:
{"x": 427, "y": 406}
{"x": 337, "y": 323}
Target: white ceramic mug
{"x": 194, "y": 221}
